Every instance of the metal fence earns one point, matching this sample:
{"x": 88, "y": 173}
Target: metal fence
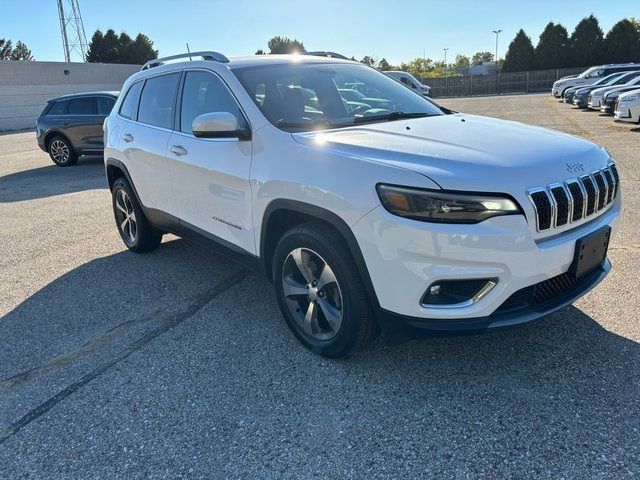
{"x": 496, "y": 84}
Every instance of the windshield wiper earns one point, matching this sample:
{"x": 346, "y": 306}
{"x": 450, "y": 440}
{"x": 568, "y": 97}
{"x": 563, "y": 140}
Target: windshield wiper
{"x": 306, "y": 125}
{"x": 391, "y": 116}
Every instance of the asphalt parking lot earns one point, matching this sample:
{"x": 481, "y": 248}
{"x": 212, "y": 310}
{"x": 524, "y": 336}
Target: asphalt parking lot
{"x": 178, "y": 363}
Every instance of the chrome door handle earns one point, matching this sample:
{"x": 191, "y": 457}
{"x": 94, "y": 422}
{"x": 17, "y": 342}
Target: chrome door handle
{"x": 178, "y": 150}
{"x": 127, "y": 137}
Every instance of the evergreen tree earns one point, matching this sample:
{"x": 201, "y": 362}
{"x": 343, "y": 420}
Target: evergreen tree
{"x": 94, "y": 52}
{"x": 552, "y": 50}
{"x": 587, "y": 42}
{"x": 140, "y": 51}
{"x": 622, "y": 43}
{"x": 520, "y": 55}
{"x": 384, "y": 65}
{"x": 6, "y": 47}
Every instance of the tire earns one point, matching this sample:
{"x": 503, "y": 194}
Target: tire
{"x": 336, "y": 292}
{"x": 61, "y": 151}
{"x": 134, "y": 228}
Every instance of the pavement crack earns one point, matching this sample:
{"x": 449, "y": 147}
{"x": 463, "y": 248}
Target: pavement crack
{"x": 177, "y": 318}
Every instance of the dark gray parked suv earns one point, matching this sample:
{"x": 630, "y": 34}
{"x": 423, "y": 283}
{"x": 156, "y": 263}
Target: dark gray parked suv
{"x": 71, "y": 125}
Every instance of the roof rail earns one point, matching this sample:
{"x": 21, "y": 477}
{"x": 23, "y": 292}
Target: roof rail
{"x": 327, "y": 54}
{"x": 213, "y": 56}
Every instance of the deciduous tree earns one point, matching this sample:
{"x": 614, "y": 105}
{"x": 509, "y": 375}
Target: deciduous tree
{"x": 482, "y": 57}
{"x": 285, "y": 45}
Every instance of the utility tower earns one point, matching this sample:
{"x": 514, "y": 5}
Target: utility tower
{"x": 74, "y": 39}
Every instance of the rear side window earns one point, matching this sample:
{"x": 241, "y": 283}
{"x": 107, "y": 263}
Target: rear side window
{"x": 105, "y": 104}
{"x": 61, "y": 107}
{"x": 81, "y": 106}
{"x": 205, "y": 93}
{"x": 158, "y": 99}
{"x": 130, "y": 102}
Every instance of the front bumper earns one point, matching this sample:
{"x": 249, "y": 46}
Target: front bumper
{"x": 404, "y": 257}
{"x": 607, "y": 106}
{"x": 627, "y": 113}
{"x": 580, "y": 102}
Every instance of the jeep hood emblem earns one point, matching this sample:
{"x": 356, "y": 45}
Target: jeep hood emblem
{"x": 575, "y": 167}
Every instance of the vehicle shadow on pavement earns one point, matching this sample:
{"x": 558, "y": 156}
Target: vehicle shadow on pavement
{"x": 558, "y": 397}
{"x": 52, "y": 180}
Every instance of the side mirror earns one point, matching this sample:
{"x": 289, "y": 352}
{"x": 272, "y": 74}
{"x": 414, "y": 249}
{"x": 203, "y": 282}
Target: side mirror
{"x": 218, "y": 125}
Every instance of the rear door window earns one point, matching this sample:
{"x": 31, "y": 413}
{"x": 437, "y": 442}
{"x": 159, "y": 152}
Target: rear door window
{"x": 61, "y": 107}
{"x": 158, "y": 99}
{"x": 82, "y": 106}
{"x": 130, "y": 102}
{"x": 105, "y": 104}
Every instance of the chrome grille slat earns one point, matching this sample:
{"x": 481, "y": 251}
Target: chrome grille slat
{"x": 559, "y": 204}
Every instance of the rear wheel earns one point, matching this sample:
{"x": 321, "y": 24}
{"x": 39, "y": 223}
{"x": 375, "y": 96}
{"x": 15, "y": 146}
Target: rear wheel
{"x": 134, "y": 228}
{"x": 61, "y": 151}
{"x": 320, "y": 292}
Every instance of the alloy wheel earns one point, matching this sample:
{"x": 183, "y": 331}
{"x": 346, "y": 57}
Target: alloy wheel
{"x": 126, "y": 216}
{"x": 59, "y": 151}
{"x": 312, "y": 293}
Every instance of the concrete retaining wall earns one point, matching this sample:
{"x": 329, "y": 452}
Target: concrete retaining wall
{"x": 26, "y": 86}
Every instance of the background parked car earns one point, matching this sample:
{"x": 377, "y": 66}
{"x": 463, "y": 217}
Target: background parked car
{"x": 410, "y": 81}
{"x": 627, "y": 107}
{"x": 71, "y": 125}
{"x": 570, "y": 92}
{"x": 590, "y": 76}
{"x": 603, "y": 99}
{"x": 581, "y": 96}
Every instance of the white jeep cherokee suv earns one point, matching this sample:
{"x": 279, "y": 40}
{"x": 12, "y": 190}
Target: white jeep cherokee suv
{"x": 412, "y": 219}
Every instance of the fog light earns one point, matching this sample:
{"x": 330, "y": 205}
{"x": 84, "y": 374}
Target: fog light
{"x": 457, "y": 293}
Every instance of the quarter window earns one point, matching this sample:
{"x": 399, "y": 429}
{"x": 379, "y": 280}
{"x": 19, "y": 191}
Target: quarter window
{"x": 158, "y": 99}
{"x": 81, "y": 106}
{"x": 105, "y": 104}
{"x": 205, "y": 93}
{"x": 130, "y": 102}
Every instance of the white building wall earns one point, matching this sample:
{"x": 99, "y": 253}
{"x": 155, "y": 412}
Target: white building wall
{"x": 26, "y": 86}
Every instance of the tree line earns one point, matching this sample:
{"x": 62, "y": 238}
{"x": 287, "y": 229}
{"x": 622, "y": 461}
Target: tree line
{"x": 586, "y": 46}
{"x": 110, "y": 47}
{"x": 19, "y": 52}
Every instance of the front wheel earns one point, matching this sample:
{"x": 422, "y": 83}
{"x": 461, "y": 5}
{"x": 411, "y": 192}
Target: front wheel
{"x": 134, "y": 228}
{"x": 320, "y": 291}
{"x": 61, "y": 151}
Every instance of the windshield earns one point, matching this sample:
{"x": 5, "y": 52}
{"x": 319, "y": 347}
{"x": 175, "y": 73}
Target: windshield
{"x": 609, "y": 79}
{"x": 309, "y": 96}
{"x": 591, "y": 72}
{"x": 627, "y": 77}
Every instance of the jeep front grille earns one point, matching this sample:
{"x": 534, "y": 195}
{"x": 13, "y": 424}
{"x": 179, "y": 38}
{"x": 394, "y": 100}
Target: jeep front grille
{"x": 560, "y": 203}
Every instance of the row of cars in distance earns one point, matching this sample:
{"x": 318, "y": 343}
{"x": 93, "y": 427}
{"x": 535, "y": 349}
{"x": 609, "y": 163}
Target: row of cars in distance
{"x": 610, "y": 89}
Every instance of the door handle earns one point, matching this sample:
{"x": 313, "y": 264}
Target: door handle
{"x": 178, "y": 150}
{"x": 127, "y": 137}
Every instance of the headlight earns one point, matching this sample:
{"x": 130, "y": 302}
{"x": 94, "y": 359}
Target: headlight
{"x": 630, "y": 98}
{"x": 443, "y": 206}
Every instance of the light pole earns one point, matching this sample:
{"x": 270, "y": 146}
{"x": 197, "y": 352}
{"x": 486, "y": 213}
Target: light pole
{"x": 497, "y": 32}
{"x": 446, "y": 72}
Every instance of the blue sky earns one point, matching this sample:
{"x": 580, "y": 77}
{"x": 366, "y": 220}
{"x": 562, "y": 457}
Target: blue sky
{"x": 397, "y": 30}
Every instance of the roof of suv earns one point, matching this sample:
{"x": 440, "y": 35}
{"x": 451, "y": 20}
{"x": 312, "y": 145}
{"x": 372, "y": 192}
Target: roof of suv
{"x": 84, "y": 94}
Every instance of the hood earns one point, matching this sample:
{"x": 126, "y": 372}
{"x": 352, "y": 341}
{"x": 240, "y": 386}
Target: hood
{"x": 622, "y": 89}
{"x": 467, "y": 152}
{"x": 629, "y": 93}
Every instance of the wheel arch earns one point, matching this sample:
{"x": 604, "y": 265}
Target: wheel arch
{"x": 55, "y": 133}
{"x": 281, "y": 215}
{"x": 116, "y": 169}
